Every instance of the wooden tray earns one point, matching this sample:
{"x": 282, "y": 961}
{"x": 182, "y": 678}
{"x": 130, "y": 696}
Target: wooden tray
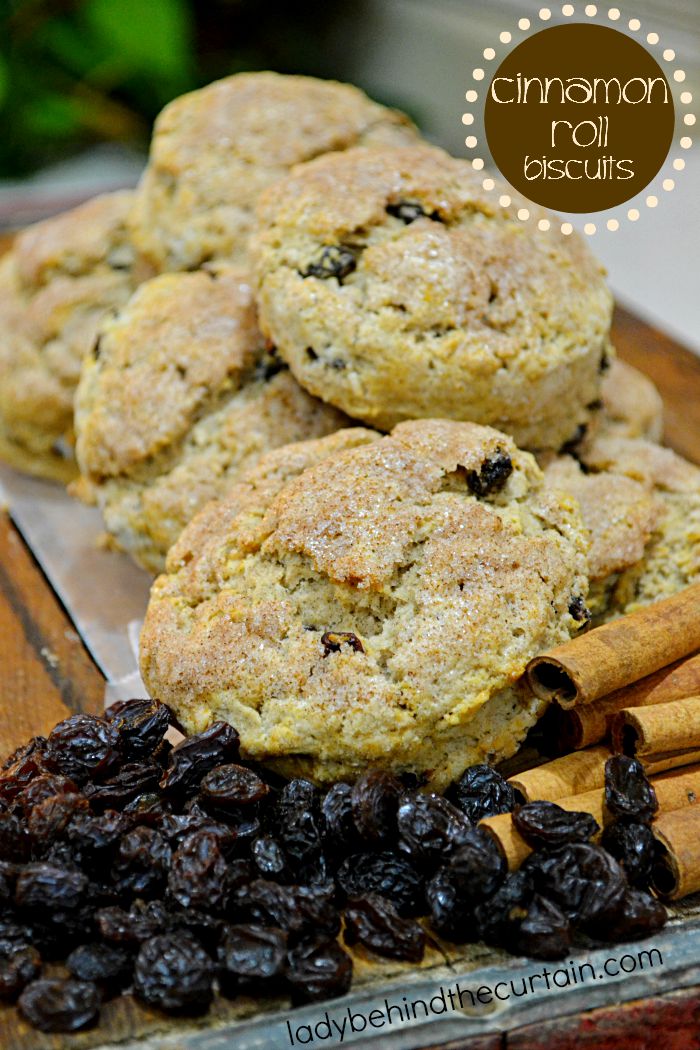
{"x": 47, "y": 674}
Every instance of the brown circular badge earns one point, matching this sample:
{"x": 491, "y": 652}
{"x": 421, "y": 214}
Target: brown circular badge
{"x": 579, "y": 117}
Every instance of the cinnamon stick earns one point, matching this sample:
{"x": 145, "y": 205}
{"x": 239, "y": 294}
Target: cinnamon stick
{"x": 585, "y": 770}
{"x": 620, "y": 652}
{"x": 673, "y": 791}
{"x": 659, "y": 730}
{"x": 580, "y": 727}
{"x": 677, "y": 871}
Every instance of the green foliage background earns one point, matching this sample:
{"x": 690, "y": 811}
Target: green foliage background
{"x": 74, "y": 72}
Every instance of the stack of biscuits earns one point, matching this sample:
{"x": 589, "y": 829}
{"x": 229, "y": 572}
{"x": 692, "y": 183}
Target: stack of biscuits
{"x": 366, "y": 424}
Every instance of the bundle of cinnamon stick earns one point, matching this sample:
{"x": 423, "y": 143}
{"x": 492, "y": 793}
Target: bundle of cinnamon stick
{"x": 632, "y": 686}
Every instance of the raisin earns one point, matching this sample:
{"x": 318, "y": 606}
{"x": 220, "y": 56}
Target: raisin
{"x": 94, "y": 837}
{"x": 628, "y": 792}
{"x": 332, "y": 641}
{"x": 15, "y": 779}
{"x": 148, "y": 809}
{"x": 133, "y": 779}
{"x": 140, "y": 923}
{"x": 640, "y": 916}
{"x": 499, "y": 917}
{"x": 409, "y": 211}
{"x": 634, "y": 846}
{"x": 104, "y": 964}
{"x": 19, "y": 964}
{"x": 547, "y": 825}
{"x": 42, "y": 787}
{"x": 269, "y": 858}
{"x": 47, "y": 888}
{"x": 297, "y": 822}
{"x": 253, "y": 951}
{"x": 477, "y": 867}
{"x": 317, "y": 971}
{"x": 228, "y": 787}
{"x": 544, "y": 932}
{"x": 83, "y": 747}
{"x": 60, "y": 1005}
{"x": 191, "y": 760}
{"x": 481, "y": 792}
{"x": 334, "y": 261}
{"x": 430, "y": 828}
{"x": 197, "y": 876}
{"x": 585, "y": 881}
{"x": 375, "y": 803}
{"x": 579, "y": 610}
{"x": 50, "y": 818}
{"x": 141, "y": 863}
{"x": 8, "y": 878}
{"x": 174, "y": 973}
{"x": 339, "y": 829}
{"x": 492, "y": 475}
{"x": 36, "y": 746}
{"x": 451, "y": 914}
{"x": 299, "y": 910}
{"x": 374, "y": 922}
{"x": 391, "y": 875}
{"x": 15, "y": 844}
{"x": 141, "y": 725}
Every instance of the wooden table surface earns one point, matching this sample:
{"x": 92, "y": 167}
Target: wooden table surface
{"x": 47, "y": 674}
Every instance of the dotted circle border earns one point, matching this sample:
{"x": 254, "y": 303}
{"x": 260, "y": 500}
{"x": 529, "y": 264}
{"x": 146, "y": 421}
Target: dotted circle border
{"x": 634, "y": 25}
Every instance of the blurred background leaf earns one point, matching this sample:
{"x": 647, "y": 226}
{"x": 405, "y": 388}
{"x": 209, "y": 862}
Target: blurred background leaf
{"x": 78, "y": 72}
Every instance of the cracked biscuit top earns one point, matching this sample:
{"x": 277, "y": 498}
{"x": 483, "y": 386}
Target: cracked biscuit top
{"x": 397, "y": 288}
{"x": 214, "y": 151}
{"x": 364, "y": 600}
{"x": 61, "y": 279}
{"x": 180, "y": 396}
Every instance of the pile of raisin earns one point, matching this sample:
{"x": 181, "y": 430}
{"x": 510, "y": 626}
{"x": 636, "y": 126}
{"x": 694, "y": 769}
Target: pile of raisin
{"x": 171, "y": 873}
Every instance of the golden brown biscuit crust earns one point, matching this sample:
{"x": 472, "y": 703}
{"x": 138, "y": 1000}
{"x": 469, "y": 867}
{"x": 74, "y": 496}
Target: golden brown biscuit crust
{"x": 440, "y": 597}
{"x": 180, "y": 397}
{"x": 215, "y": 150}
{"x": 57, "y": 284}
{"x": 463, "y": 312}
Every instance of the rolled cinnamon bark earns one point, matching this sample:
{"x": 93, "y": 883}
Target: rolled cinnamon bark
{"x": 585, "y": 770}
{"x": 674, "y": 791}
{"x": 677, "y": 871}
{"x": 562, "y": 777}
{"x": 582, "y": 726}
{"x": 620, "y": 652}
{"x": 657, "y": 731}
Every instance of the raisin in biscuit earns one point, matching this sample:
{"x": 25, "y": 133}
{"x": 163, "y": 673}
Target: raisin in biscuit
{"x": 376, "y": 609}
{"x": 180, "y": 396}
{"x": 396, "y": 288}
{"x": 631, "y": 405}
{"x": 57, "y": 284}
{"x": 671, "y": 558}
{"x": 216, "y": 149}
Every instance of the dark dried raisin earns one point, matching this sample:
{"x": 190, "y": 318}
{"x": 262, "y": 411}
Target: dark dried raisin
{"x": 174, "y": 973}
{"x": 318, "y": 971}
{"x": 255, "y": 951}
{"x": 585, "y": 881}
{"x": 141, "y": 725}
{"x": 628, "y": 792}
{"x": 374, "y": 922}
{"x": 335, "y": 260}
{"x": 83, "y": 747}
{"x": 391, "y": 875}
{"x": 47, "y": 888}
{"x": 230, "y": 786}
{"x": 197, "y": 876}
{"x": 547, "y": 825}
{"x": 477, "y": 867}
{"x": 375, "y": 803}
{"x": 481, "y": 792}
{"x": 19, "y": 964}
{"x": 579, "y": 610}
{"x": 332, "y": 641}
{"x": 492, "y": 475}
{"x": 544, "y": 932}
{"x": 409, "y": 211}
{"x": 451, "y": 914}
{"x": 634, "y": 846}
{"x": 105, "y": 964}
{"x": 191, "y": 760}
{"x": 430, "y": 828}
{"x": 499, "y": 917}
{"x": 60, "y": 1005}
